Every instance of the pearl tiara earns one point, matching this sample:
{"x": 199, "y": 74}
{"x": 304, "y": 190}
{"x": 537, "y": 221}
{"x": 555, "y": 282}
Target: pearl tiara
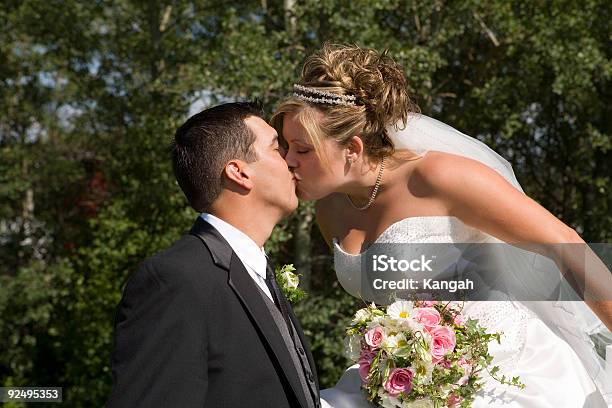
{"x": 314, "y": 95}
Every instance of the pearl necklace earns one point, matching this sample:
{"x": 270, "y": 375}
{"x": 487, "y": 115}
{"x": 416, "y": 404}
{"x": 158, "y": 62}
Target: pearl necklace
{"x": 374, "y": 191}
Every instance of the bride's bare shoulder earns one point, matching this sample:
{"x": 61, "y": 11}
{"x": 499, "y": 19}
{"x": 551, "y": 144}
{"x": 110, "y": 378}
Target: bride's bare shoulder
{"x": 439, "y": 170}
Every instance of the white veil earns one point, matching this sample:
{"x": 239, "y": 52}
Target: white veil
{"x": 571, "y": 320}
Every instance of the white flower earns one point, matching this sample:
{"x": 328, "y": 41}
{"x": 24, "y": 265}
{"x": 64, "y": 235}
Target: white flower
{"x": 411, "y": 325}
{"x": 352, "y": 347}
{"x": 292, "y": 279}
{"x": 421, "y": 346}
{"x": 447, "y": 389}
{"x": 362, "y": 315}
{"x": 389, "y": 323}
{"x": 420, "y": 403}
{"x": 392, "y": 342}
{"x": 426, "y": 337}
{"x": 424, "y": 372}
{"x": 376, "y": 321}
{"x": 401, "y": 309}
{"x": 387, "y": 401}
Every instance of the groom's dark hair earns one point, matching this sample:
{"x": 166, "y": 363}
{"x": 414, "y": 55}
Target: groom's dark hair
{"x": 205, "y": 143}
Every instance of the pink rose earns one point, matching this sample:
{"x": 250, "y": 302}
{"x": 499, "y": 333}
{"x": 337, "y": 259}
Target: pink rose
{"x": 442, "y": 341}
{"x": 367, "y": 354}
{"x": 374, "y": 337}
{"x": 459, "y": 319}
{"x": 365, "y": 361}
{"x": 453, "y": 400}
{"x": 399, "y": 381}
{"x": 364, "y": 369}
{"x": 445, "y": 363}
{"x": 427, "y": 316}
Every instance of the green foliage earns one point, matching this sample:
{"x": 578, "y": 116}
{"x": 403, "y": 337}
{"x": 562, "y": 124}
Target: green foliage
{"x": 92, "y": 92}
{"x": 323, "y": 317}
{"x": 289, "y": 281}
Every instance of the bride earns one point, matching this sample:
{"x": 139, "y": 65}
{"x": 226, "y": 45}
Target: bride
{"x": 383, "y": 173}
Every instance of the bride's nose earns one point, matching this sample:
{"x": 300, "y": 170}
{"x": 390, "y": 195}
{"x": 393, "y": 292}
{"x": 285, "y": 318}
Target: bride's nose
{"x": 290, "y": 159}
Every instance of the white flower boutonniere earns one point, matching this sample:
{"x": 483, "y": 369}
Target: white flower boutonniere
{"x": 288, "y": 281}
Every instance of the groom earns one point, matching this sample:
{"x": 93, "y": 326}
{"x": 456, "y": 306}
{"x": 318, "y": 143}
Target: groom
{"x": 203, "y": 323}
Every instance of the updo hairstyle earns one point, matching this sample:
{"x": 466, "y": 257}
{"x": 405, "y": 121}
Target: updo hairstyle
{"x": 377, "y": 82}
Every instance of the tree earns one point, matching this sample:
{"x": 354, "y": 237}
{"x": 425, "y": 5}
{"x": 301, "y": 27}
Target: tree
{"x": 92, "y": 93}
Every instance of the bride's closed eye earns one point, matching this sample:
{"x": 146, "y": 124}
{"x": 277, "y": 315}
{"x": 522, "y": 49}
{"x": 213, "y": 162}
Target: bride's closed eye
{"x": 302, "y": 149}
{"x": 297, "y": 146}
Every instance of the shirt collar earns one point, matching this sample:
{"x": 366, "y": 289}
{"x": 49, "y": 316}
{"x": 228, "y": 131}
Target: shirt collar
{"x": 247, "y": 250}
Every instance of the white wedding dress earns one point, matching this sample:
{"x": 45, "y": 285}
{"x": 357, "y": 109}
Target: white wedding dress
{"x": 546, "y": 344}
{"x": 553, "y": 373}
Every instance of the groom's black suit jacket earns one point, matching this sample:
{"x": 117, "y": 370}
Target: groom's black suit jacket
{"x": 193, "y": 331}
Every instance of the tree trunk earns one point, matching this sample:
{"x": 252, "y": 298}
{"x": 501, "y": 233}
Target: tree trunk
{"x": 290, "y": 21}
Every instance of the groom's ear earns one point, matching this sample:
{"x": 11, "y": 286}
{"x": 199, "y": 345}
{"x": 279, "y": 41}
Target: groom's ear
{"x": 239, "y": 172}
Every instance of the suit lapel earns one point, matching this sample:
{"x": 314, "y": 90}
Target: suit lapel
{"x": 248, "y": 294}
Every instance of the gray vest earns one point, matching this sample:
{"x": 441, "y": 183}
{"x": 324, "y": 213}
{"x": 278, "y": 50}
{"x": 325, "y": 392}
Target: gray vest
{"x": 296, "y": 350}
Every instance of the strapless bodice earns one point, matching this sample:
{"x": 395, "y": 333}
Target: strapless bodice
{"x": 429, "y": 229}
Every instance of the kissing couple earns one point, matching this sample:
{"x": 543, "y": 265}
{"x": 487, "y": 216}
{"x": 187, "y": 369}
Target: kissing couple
{"x": 204, "y": 323}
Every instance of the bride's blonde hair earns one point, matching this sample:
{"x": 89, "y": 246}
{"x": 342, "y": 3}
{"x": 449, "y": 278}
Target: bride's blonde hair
{"x": 378, "y": 83}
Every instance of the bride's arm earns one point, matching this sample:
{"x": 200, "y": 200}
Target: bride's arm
{"x": 480, "y": 197}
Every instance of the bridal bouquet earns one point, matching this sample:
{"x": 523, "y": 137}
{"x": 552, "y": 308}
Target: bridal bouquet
{"x": 420, "y": 354}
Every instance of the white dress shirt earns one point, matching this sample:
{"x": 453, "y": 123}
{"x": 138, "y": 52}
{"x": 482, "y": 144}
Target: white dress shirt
{"x": 252, "y": 257}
